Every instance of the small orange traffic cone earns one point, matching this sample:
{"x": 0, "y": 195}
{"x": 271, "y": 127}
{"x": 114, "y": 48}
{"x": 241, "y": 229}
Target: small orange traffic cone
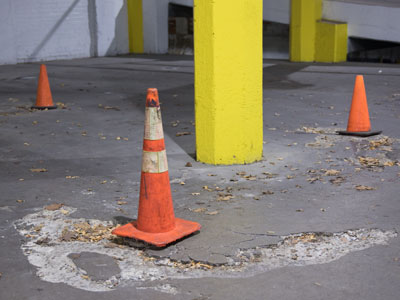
{"x": 156, "y": 223}
{"x": 44, "y": 99}
{"x": 359, "y": 124}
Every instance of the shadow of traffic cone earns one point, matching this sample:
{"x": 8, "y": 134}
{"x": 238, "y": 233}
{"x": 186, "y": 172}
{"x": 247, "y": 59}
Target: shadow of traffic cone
{"x": 156, "y": 223}
{"x": 359, "y": 124}
{"x": 44, "y": 99}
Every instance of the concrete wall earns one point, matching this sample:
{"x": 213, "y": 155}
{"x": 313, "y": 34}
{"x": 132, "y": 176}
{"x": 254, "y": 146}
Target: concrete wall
{"x": 155, "y": 20}
{"x": 277, "y": 11}
{"x": 377, "y": 20}
{"x": 155, "y": 24}
{"x": 372, "y": 19}
{"x": 47, "y": 29}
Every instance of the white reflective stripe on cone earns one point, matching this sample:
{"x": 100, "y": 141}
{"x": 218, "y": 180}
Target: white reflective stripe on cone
{"x": 154, "y": 162}
{"x": 153, "y": 129}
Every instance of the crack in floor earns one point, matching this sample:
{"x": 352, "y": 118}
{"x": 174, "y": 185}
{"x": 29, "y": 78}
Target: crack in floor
{"x": 47, "y": 248}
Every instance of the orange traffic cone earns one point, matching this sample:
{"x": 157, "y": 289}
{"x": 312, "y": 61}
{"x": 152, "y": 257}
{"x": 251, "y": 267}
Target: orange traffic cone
{"x": 44, "y": 99}
{"x": 359, "y": 124}
{"x": 156, "y": 223}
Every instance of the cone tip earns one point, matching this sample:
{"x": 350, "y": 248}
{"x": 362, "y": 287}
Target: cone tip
{"x": 360, "y": 77}
{"x": 152, "y": 98}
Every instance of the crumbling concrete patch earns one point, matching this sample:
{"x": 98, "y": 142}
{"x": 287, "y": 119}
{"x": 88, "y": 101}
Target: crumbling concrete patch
{"x": 63, "y": 249}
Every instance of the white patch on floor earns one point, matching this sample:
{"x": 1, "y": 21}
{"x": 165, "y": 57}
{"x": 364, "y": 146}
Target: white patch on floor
{"x": 45, "y": 249}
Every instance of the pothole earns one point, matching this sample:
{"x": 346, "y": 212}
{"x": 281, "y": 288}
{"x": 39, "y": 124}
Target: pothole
{"x": 97, "y": 267}
{"x": 83, "y": 254}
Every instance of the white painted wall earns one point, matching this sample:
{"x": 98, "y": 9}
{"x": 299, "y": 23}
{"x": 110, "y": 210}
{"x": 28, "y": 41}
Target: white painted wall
{"x": 366, "y": 19}
{"x": 372, "y": 19}
{"x": 277, "y": 11}
{"x": 155, "y": 20}
{"x": 155, "y": 24}
{"x": 47, "y": 29}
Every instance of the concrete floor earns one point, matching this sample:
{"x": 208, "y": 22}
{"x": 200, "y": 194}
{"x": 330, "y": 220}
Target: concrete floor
{"x": 301, "y": 224}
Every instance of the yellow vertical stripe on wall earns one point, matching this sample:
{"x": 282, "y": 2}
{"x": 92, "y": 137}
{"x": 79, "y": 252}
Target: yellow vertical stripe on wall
{"x": 228, "y": 81}
{"x": 135, "y": 23}
{"x": 303, "y": 17}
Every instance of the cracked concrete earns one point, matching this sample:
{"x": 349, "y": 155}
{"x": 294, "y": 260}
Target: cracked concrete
{"x": 98, "y": 266}
{"x": 307, "y": 183}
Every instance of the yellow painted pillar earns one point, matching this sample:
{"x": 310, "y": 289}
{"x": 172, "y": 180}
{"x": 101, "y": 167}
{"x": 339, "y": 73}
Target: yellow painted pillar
{"x": 228, "y": 81}
{"x": 135, "y": 24}
{"x": 303, "y": 22}
{"x": 331, "y": 41}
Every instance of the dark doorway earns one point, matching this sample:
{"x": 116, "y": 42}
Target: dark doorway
{"x": 180, "y": 29}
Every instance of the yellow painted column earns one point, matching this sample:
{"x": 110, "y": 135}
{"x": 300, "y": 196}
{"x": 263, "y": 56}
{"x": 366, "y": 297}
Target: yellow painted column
{"x": 135, "y": 24}
{"x": 303, "y": 22}
{"x": 331, "y": 41}
{"x": 228, "y": 81}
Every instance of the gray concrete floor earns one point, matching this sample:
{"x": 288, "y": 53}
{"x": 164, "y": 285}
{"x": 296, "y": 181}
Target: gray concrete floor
{"x": 299, "y": 224}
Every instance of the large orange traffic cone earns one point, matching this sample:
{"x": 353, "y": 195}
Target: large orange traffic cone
{"x": 44, "y": 99}
{"x": 359, "y": 124}
{"x": 156, "y": 223}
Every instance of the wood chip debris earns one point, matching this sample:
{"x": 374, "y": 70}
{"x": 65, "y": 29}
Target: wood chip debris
{"x": 175, "y": 123}
{"x": 38, "y": 170}
{"x": 364, "y": 188}
{"x": 313, "y": 179}
{"x": 198, "y": 210}
{"x": 337, "y": 181}
{"x": 183, "y": 133}
{"x": 109, "y": 107}
{"x": 61, "y": 105}
{"x": 71, "y": 177}
{"x": 118, "y": 138}
{"x": 312, "y": 130}
{"x": 54, "y": 206}
{"x": 207, "y": 188}
{"x": 268, "y": 192}
{"x": 212, "y": 213}
{"x": 368, "y": 161}
{"x": 85, "y": 232}
{"x": 270, "y": 175}
{"x": 183, "y": 265}
{"x": 250, "y": 177}
{"x": 38, "y": 227}
{"x": 385, "y": 141}
{"x": 304, "y": 238}
{"x": 331, "y": 172}
{"x": 371, "y": 162}
{"x": 225, "y": 197}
